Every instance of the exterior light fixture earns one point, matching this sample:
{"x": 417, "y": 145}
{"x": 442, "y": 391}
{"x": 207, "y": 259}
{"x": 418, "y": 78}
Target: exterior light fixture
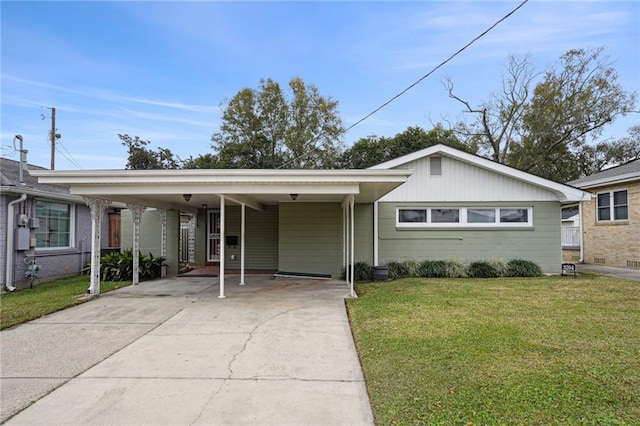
{"x": 205, "y": 206}
{"x": 293, "y": 196}
{"x": 186, "y": 197}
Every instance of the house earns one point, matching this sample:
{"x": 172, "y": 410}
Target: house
{"x": 44, "y": 225}
{"x": 611, "y": 220}
{"x": 437, "y": 203}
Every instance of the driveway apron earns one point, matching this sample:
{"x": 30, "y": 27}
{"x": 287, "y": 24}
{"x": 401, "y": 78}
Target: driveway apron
{"x": 171, "y": 352}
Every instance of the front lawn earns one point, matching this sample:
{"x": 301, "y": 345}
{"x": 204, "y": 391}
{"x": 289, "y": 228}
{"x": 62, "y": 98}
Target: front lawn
{"x": 550, "y": 350}
{"x": 26, "y": 305}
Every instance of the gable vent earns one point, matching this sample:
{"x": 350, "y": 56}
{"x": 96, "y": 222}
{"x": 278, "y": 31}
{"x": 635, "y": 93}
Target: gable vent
{"x": 435, "y": 166}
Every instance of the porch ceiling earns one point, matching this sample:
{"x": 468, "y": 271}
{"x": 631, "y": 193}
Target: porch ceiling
{"x": 255, "y": 188}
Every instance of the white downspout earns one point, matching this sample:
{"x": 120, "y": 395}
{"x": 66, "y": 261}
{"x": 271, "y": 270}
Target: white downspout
{"x": 10, "y": 244}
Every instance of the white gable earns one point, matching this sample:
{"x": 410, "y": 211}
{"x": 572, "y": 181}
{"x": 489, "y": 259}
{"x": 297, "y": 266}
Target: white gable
{"x": 468, "y": 177}
{"x": 463, "y": 182}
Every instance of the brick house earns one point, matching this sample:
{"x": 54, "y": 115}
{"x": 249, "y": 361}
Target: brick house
{"x": 611, "y": 219}
{"x": 46, "y": 225}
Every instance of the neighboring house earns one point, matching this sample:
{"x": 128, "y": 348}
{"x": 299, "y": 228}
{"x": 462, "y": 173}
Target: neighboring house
{"x": 611, "y": 220}
{"x": 570, "y": 237}
{"x": 437, "y": 203}
{"x": 46, "y": 225}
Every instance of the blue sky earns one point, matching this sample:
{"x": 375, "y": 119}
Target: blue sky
{"x": 160, "y": 70}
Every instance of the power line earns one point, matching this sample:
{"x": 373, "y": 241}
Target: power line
{"x": 69, "y": 157}
{"x": 437, "y": 67}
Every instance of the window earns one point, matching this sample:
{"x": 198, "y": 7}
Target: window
{"x": 613, "y": 205}
{"x": 481, "y": 215}
{"x": 445, "y": 215}
{"x": 55, "y": 228}
{"x": 411, "y": 217}
{"x": 514, "y": 216}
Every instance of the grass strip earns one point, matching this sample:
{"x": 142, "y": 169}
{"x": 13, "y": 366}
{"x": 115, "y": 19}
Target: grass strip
{"x": 28, "y": 304}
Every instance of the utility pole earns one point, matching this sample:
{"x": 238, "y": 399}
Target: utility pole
{"x": 53, "y": 138}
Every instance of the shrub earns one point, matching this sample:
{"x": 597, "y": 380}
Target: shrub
{"x": 396, "y": 270}
{"x": 456, "y": 269}
{"x": 119, "y": 266}
{"x": 500, "y": 266}
{"x": 432, "y": 269}
{"x": 483, "y": 269}
{"x": 403, "y": 269}
{"x": 362, "y": 271}
{"x": 523, "y": 268}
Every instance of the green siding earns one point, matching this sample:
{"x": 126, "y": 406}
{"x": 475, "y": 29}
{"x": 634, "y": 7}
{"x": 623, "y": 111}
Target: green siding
{"x": 310, "y": 238}
{"x": 150, "y": 236}
{"x": 541, "y": 243}
{"x": 201, "y": 238}
{"x": 261, "y": 238}
{"x": 363, "y": 219}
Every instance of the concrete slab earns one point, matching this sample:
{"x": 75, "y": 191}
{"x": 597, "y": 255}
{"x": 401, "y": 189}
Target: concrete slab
{"x": 610, "y": 271}
{"x": 273, "y": 352}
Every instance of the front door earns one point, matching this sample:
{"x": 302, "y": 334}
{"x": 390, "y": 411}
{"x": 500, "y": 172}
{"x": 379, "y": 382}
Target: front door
{"x": 213, "y": 233}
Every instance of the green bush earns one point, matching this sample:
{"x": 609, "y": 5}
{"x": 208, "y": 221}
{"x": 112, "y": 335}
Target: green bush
{"x": 432, "y": 269}
{"x": 455, "y": 268}
{"x": 523, "y": 268}
{"x": 119, "y": 266}
{"x": 362, "y": 271}
{"x": 483, "y": 269}
{"x": 396, "y": 270}
{"x": 500, "y": 266}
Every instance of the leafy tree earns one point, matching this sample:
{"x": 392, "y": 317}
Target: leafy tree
{"x": 202, "y": 161}
{"x": 546, "y": 129}
{"x": 263, "y": 128}
{"x": 142, "y": 158}
{"x": 372, "y": 150}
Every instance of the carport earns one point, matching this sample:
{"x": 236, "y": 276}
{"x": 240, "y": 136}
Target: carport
{"x": 186, "y": 190}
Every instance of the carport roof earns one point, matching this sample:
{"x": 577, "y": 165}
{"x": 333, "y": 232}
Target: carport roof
{"x": 255, "y": 188}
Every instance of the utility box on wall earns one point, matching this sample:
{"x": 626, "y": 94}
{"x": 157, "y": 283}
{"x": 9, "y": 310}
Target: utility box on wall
{"x": 22, "y": 238}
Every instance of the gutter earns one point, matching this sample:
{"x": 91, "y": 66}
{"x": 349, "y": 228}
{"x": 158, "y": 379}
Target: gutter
{"x": 10, "y": 243}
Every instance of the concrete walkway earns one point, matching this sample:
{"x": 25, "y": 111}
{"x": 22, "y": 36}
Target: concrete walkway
{"x": 170, "y": 352}
{"x": 610, "y": 271}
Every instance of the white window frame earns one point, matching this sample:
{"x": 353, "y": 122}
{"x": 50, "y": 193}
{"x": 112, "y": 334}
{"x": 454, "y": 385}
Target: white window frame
{"x": 611, "y": 206}
{"x": 72, "y": 226}
{"x": 463, "y": 223}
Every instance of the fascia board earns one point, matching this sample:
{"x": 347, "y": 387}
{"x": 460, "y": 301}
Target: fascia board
{"x": 628, "y": 177}
{"x": 228, "y": 189}
{"x": 43, "y": 194}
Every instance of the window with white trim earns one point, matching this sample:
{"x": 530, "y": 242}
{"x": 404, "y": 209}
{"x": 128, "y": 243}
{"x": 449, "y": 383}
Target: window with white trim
{"x": 412, "y": 217}
{"x": 613, "y": 205}
{"x": 56, "y": 224}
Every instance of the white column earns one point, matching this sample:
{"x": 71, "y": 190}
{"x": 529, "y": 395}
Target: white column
{"x": 346, "y": 256}
{"x": 376, "y": 229}
{"x": 351, "y": 206}
{"x": 163, "y": 239}
{"x": 97, "y": 207}
{"x": 242, "y": 230}
{"x": 344, "y": 238}
{"x": 222, "y": 247}
{"x": 136, "y": 214}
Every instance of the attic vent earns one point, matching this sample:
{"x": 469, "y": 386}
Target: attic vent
{"x": 435, "y": 168}
{"x": 633, "y": 263}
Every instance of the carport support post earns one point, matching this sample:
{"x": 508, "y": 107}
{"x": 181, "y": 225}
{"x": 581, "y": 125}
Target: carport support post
{"x": 136, "y": 214}
{"x": 222, "y": 246}
{"x": 242, "y": 229}
{"x": 351, "y": 207}
{"x": 97, "y": 207}
{"x": 163, "y": 240}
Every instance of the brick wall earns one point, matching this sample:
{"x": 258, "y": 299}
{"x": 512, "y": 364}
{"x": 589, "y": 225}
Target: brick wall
{"x": 613, "y": 243}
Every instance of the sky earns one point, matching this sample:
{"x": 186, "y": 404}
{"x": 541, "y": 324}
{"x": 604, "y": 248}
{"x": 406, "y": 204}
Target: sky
{"x": 162, "y": 70}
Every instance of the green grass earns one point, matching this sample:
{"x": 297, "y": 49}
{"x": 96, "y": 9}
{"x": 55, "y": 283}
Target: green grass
{"x": 505, "y": 351}
{"x": 26, "y": 305}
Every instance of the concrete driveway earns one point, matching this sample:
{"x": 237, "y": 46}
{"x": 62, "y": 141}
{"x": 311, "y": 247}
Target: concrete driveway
{"x": 170, "y": 352}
